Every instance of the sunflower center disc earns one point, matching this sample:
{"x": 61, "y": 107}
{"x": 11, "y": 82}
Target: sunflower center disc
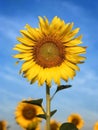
{"x": 49, "y": 54}
{"x": 1, "y": 126}
{"x": 75, "y": 121}
{"x": 29, "y": 112}
{"x": 54, "y": 126}
{"x": 49, "y": 51}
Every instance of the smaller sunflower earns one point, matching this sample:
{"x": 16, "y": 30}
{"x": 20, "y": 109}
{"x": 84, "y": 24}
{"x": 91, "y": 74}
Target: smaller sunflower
{"x": 54, "y": 125}
{"x": 3, "y": 124}
{"x": 95, "y": 126}
{"x": 26, "y": 114}
{"x": 76, "y": 120}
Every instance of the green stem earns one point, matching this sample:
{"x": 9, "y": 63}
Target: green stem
{"x": 43, "y": 110}
{"x": 47, "y": 107}
{"x": 52, "y": 96}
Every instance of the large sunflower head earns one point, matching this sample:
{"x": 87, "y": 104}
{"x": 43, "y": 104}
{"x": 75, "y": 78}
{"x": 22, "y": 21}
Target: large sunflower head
{"x": 76, "y": 119}
{"x": 3, "y": 124}
{"x": 50, "y": 52}
{"x": 95, "y": 126}
{"x": 26, "y": 115}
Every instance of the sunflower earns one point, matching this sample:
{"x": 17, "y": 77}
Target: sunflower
{"x": 76, "y": 120}
{"x": 3, "y": 124}
{"x": 54, "y": 125}
{"x": 33, "y": 126}
{"x": 26, "y": 115}
{"x": 96, "y": 126}
{"x": 49, "y": 52}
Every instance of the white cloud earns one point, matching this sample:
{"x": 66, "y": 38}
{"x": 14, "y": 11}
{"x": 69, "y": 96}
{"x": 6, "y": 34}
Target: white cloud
{"x": 73, "y": 8}
{"x": 86, "y": 82}
{"x": 9, "y": 27}
{"x": 11, "y": 77}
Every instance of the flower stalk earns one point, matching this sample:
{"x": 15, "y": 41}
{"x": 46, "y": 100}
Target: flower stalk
{"x": 48, "y": 106}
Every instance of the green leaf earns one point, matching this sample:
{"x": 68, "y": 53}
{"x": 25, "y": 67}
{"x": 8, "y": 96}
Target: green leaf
{"x": 44, "y": 116}
{"x": 61, "y": 87}
{"x": 68, "y": 126}
{"x": 35, "y": 102}
{"x": 53, "y": 112}
{"x": 8, "y": 127}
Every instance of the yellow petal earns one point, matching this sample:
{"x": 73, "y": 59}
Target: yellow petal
{"x": 41, "y": 77}
{"x": 64, "y": 33}
{"x": 68, "y": 28}
{"x": 73, "y": 32}
{"x": 35, "y": 33}
{"x": 26, "y": 41}
{"x": 26, "y": 34}
{"x": 75, "y": 50}
{"x": 69, "y": 72}
{"x": 21, "y": 50}
{"x": 27, "y": 65}
{"x": 64, "y": 76}
{"x": 43, "y": 25}
{"x": 32, "y": 72}
{"x": 23, "y": 55}
{"x": 22, "y": 46}
{"x": 48, "y": 76}
{"x": 72, "y": 65}
{"x": 56, "y": 26}
{"x": 74, "y": 41}
{"x": 46, "y": 22}
{"x": 56, "y": 75}
{"x": 75, "y": 58}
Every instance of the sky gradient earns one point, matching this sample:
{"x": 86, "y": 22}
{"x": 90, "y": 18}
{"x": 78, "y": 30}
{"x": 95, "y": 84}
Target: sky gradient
{"x": 82, "y": 97}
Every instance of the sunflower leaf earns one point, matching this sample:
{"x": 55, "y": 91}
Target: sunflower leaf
{"x": 68, "y": 126}
{"x": 34, "y": 102}
{"x": 61, "y": 87}
{"x": 42, "y": 116}
{"x": 53, "y": 112}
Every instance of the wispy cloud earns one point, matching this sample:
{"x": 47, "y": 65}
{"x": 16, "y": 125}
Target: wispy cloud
{"x": 71, "y": 7}
{"x": 9, "y": 27}
{"x": 87, "y": 82}
{"x": 12, "y": 25}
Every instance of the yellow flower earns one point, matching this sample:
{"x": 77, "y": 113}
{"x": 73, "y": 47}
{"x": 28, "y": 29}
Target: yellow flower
{"x": 34, "y": 126}
{"x": 50, "y": 52}
{"x": 3, "y": 124}
{"x": 96, "y": 126}
{"x": 54, "y": 125}
{"x": 76, "y": 120}
{"x": 26, "y": 113}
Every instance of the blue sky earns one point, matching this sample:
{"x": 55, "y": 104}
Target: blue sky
{"x": 82, "y": 98}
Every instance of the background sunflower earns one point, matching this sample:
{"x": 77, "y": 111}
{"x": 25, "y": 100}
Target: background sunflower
{"x": 54, "y": 125}
{"x": 95, "y": 126}
{"x": 76, "y": 119}
{"x": 26, "y": 115}
{"x": 3, "y": 125}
